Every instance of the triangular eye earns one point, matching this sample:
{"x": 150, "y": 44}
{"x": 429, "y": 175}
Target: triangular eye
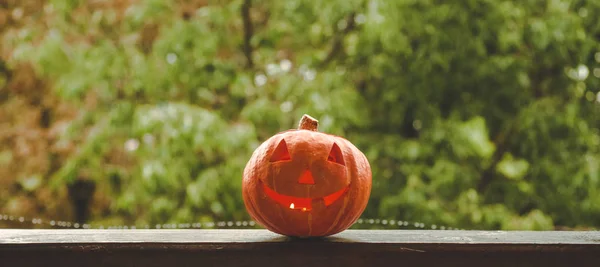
{"x": 281, "y": 153}
{"x": 335, "y": 155}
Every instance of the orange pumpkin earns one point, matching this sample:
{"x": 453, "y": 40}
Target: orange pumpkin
{"x": 304, "y": 183}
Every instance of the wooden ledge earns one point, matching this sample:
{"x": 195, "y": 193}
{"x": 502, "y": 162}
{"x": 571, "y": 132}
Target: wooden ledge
{"x": 262, "y": 248}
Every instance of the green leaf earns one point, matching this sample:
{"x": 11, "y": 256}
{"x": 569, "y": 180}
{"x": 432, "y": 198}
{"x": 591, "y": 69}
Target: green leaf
{"x": 512, "y": 168}
{"x": 474, "y": 131}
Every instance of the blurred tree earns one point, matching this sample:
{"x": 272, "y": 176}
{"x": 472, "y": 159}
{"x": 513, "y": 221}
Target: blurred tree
{"x": 480, "y": 114}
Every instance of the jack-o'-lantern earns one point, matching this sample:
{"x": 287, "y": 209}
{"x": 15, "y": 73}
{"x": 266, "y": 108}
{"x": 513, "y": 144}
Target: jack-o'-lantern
{"x": 305, "y": 183}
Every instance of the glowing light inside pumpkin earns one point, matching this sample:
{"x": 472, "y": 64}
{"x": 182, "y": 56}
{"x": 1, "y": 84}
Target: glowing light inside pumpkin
{"x": 300, "y": 203}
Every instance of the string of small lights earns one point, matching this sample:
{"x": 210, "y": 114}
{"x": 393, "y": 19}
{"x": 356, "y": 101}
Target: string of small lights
{"x": 382, "y": 223}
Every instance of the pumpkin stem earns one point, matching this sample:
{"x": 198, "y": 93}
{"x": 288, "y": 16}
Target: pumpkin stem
{"x": 308, "y": 123}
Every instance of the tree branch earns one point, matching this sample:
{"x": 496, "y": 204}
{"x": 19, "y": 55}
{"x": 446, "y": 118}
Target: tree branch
{"x": 248, "y": 32}
{"x": 501, "y": 142}
{"x": 338, "y": 39}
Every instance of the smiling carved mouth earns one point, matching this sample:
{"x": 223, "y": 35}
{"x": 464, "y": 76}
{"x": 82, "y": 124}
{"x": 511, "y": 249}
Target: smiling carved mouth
{"x": 301, "y": 203}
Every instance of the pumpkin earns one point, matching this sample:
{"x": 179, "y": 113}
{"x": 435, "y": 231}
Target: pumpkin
{"x": 305, "y": 183}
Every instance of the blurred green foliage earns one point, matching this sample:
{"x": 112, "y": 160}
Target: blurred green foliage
{"x": 482, "y": 114}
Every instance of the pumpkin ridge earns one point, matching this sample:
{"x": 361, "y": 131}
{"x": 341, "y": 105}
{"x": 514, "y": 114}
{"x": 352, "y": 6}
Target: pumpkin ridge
{"x": 309, "y": 224}
{"x": 262, "y": 220}
{"x": 285, "y": 222}
{"x": 251, "y": 201}
{"x": 340, "y": 213}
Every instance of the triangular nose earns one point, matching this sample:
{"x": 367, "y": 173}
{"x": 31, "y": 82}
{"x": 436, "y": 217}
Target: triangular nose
{"x": 306, "y": 178}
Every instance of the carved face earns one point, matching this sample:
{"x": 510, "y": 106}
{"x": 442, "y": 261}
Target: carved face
{"x": 310, "y": 175}
{"x": 306, "y": 183}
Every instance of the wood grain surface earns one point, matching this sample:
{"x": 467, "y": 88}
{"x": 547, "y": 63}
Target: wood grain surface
{"x": 194, "y": 247}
